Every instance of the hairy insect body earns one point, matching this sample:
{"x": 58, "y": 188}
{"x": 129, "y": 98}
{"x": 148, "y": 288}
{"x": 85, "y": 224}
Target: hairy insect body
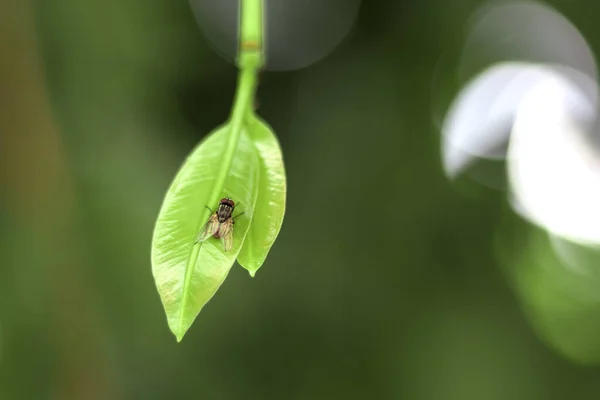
{"x": 220, "y": 224}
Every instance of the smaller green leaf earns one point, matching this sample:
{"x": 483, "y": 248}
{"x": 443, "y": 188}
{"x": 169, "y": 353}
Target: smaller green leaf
{"x": 270, "y": 203}
{"x": 188, "y": 274}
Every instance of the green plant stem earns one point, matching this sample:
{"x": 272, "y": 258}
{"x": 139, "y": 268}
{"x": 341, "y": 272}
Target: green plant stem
{"x": 251, "y": 37}
{"x": 250, "y": 60}
{"x": 243, "y": 101}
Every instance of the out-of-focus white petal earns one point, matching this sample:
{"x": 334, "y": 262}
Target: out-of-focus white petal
{"x": 479, "y": 122}
{"x": 553, "y": 171}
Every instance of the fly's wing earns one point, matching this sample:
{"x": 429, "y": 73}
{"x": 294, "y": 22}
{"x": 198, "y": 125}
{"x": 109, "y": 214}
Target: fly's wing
{"x": 226, "y": 234}
{"x": 209, "y": 229}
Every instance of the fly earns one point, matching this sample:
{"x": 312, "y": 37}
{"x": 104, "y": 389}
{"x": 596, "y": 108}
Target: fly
{"x": 220, "y": 224}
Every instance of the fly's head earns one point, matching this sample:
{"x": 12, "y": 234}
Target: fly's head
{"x": 226, "y": 207}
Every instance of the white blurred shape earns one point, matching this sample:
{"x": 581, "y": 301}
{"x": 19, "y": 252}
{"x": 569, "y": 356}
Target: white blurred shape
{"x": 526, "y": 31}
{"x": 479, "y": 121}
{"x": 553, "y": 172}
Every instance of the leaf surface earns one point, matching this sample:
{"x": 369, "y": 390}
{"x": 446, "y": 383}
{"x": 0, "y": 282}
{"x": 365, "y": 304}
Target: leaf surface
{"x": 188, "y": 274}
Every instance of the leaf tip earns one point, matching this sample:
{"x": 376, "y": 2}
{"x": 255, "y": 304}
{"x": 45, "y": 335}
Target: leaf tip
{"x": 252, "y": 273}
{"x": 179, "y": 333}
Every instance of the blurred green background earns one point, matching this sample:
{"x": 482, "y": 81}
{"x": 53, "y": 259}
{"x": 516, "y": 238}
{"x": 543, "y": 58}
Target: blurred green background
{"x": 386, "y": 280}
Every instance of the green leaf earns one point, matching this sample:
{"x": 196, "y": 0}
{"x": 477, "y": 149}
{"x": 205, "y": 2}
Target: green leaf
{"x": 187, "y": 275}
{"x": 270, "y": 204}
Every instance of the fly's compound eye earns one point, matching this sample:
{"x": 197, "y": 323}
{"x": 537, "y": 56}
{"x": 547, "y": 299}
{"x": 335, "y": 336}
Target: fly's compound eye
{"x": 228, "y": 202}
